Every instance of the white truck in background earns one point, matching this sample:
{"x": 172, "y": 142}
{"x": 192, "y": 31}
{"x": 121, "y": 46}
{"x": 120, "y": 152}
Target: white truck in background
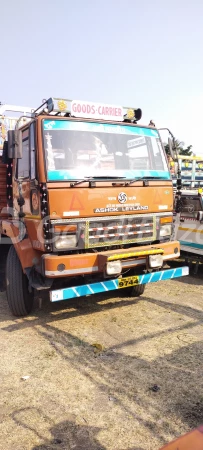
{"x": 188, "y": 218}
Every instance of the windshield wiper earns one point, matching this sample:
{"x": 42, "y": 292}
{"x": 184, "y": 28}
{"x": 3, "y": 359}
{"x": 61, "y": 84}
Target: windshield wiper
{"x": 117, "y": 183}
{"x": 142, "y": 178}
{"x": 127, "y": 183}
{"x": 92, "y": 179}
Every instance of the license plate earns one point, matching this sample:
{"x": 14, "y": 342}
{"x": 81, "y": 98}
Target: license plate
{"x": 127, "y": 282}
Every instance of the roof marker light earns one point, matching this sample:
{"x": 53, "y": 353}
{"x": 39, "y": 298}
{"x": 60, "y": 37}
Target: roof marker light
{"x": 62, "y": 105}
{"x": 130, "y": 114}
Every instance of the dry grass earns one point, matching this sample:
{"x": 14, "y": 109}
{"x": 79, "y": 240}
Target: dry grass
{"x": 79, "y": 396}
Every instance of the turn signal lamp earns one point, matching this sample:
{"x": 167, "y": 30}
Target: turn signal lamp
{"x": 62, "y": 105}
{"x": 65, "y": 228}
{"x": 130, "y": 114}
{"x": 166, "y": 219}
{"x": 134, "y": 114}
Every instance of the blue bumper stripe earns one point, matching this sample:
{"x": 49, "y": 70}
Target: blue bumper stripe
{"x": 111, "y": 285}
{"x": 191, "y": 244}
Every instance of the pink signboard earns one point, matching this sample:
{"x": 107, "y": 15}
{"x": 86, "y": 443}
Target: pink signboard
{"x": 98, "y": 111}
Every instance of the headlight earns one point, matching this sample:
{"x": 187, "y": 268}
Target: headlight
{"x": 155, "y": 261}
{"x": 113, "y": 267}
{"x": 69, "y": 241}
{"x": 165, "y": 230}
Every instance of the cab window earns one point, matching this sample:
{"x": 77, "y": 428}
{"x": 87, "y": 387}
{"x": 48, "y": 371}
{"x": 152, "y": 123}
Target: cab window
{"x": 32, "y": 152}
{"x": 24, "y": 162}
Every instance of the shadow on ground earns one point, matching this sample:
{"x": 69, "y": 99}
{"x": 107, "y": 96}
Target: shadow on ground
{"x": 129, "y": 382}
{"x": 126, "y": 380}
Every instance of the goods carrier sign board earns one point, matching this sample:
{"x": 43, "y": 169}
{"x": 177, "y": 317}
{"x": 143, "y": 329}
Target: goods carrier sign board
{"x": 98, "y": 111}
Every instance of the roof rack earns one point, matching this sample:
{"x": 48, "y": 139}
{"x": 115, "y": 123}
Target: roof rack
{"x": 63, "y": 107}
{"x": 14, "y": 109}
{"x": 191, "y": 158}
{"x": 9, "y": 117}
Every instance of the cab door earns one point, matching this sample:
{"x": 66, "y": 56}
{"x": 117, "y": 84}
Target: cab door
{"x": 26, "y": 189}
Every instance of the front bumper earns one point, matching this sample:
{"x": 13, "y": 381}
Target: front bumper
{"x": 55, "y": 266}
{"x": 119, "y": 283}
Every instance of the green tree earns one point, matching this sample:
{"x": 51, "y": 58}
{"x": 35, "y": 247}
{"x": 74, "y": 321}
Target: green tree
{"x": 180, "y": 148}
{"x": 186, "y": 151}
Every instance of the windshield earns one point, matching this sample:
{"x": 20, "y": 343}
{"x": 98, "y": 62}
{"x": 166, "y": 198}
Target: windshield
{"x": 76, "y": 150}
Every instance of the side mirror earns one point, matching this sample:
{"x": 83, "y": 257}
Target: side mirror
{"x": 200, "y": 216}
{"x": 18, "y": 144}
{"x": 5, "y": 159}
{"x": 138, "y": 114}
{"x": 15, "y": 144}
{"x": 170, "y": 146}
{"x": 11, "y": 144}
{"x": 50, "y": 105}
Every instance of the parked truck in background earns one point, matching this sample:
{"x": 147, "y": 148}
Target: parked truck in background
{"x": 189, "y": 218}
{"x": 89, "y": 204}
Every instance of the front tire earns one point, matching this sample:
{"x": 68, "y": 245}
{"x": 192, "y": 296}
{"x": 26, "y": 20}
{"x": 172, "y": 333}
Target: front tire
{"x": 19, "y": 298}
{"x": 137, "y": 290}
{"x": 134, "y": 291}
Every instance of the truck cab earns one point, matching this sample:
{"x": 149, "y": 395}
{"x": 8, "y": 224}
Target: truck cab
{"x": 92, "y": 204}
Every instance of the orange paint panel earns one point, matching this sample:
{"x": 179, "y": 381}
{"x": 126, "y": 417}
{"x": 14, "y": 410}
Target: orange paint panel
{"x": 35, "y": 233}
{"x": 40, "y": 159}
{"x": 158, "y": 197}
{"x": 190, "y": 441}
{"x": 76, "y": 203}
{"x": 74, "y": 265}
{"x": 83, "y": 263}
{"x": 90, "y": 202}
{"x": 27, "y": 255}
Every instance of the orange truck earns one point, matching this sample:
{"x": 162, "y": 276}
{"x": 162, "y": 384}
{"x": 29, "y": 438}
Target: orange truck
{"x": 88, "y": 203}
{"x": 190, "y": 441}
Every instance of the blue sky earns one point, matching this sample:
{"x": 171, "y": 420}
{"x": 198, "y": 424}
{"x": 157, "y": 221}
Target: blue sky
{"x": 147, "y": 54}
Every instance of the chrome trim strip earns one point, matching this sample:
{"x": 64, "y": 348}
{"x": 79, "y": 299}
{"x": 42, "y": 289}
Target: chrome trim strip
{"x": 116, "y": 217}
{"x": 72, "y": 271}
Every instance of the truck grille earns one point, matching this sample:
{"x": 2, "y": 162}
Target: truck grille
{"x": 104, "y": 232}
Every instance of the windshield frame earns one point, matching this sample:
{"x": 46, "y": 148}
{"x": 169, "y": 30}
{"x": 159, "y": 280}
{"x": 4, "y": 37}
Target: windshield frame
{"x": 164, "y": 175}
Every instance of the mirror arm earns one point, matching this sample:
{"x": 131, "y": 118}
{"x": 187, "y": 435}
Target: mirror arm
{"x": 173, "y": 139}
{"x": 167, "y": 129}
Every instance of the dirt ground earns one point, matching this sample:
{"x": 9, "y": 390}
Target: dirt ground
{"x": 83, "y": 397}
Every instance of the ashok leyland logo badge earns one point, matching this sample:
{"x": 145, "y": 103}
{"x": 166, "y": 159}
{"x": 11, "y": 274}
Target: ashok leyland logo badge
{"x": 122, "y": 197}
